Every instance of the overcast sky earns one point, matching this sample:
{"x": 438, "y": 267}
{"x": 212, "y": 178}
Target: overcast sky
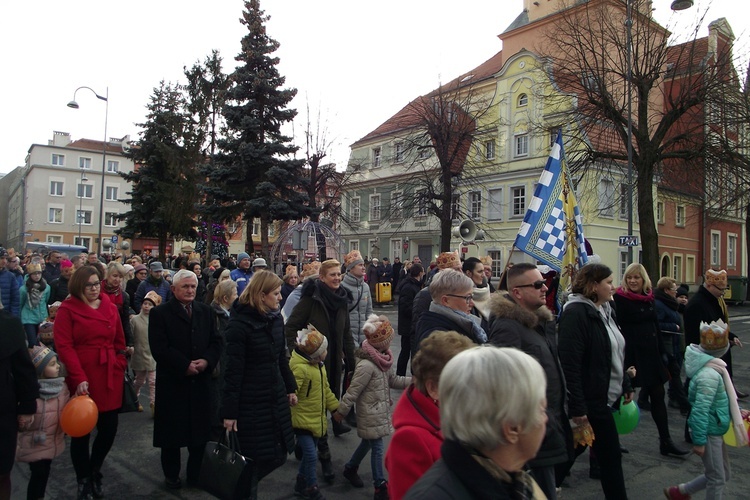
{"x": 359, "y": 61}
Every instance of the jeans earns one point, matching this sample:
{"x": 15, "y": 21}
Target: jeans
{"x": 716, "y": 470}
{"x": 309, "y": 445}
{"x": 376, "y": 458}
{"x": 32, "y": 334}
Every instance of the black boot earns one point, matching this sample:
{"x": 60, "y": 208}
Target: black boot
{"x": 84, "y": 490}
{"x": 328, "y": 474}
{"x": 667, "y": 447}
{"x": 594, "y": 471}
{"x": 96, "y": 484}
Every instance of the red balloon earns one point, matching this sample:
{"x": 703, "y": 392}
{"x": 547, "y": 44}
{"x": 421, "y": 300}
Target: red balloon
{"x": 79, "y": 416}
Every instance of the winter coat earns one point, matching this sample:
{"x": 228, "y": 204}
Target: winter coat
{"x": 415, "y": 444}
{"x": 257, "y": 380}
{"x": 432, "y": 321}
{"x": 360, "y": 307}
{"x": 9, "y": 293}
{"x": 286, "y": 289}
{"x": 58, "y": 290}
{"x": 703, "y": 306}
{"x": 141, "y": 360}
{"x": 131, "y": 288}
{"x": 534, "y": 332}
{"x": 586, "y": 357}
{"x": 373, "y": 275}
{"x": 408, "y": 289}
{"x": 370, "y": 390}
{"x": 314, "y": 396}
{"x": 669, "y": 318}
{"x": 242, "y": 277}
{"x": 162, "y": 288}
{"x": 51, "y": 272}
{"x": 421, "y": 305}
{"x": 707, "y": 394}
{"x": 643, "y": 343}
{"x": 183, "y": 403}
{"x": 38, "y": 314}
{"x": 311, "y": 310}
{"x": 91, "y": 344}
{"x": 124, "y": 311}
{"x": 291, "y": 301}
{"x": 18, "y": 385}
{"x": 44, "y": 439}
{"x": 217, "y": 383}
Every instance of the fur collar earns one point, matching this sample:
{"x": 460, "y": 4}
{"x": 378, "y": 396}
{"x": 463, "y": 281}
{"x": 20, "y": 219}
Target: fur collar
{"x": 503, "y": 306}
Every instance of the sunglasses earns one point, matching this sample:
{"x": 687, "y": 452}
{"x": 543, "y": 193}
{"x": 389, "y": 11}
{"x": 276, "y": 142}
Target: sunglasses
{"x": 537, "y": 285}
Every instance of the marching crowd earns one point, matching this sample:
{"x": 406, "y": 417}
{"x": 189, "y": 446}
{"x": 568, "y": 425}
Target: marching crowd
{"x": 505, "y": 389}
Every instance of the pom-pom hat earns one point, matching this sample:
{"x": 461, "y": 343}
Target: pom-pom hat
{"x": 378, "y": 331}
{"x": 41, "y": 356}
{"x": 352, "y": 259}
{"x": 311, "y": 342}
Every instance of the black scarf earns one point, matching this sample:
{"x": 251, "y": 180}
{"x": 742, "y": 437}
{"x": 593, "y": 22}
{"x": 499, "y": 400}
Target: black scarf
{"x": 666, "y": 299}
{"x": 333, "y": 299}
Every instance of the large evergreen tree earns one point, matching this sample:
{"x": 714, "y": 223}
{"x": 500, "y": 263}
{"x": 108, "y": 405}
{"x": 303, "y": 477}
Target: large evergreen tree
{"x": 163, "y": 195}
{"x": 254, "y": 175}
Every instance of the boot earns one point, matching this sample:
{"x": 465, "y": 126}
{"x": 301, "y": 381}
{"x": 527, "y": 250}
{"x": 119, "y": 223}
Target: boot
{"x": 351, "y": 474}
{"x": 328, "y": 474}
{"x": 339, "y": 428}
{"x": 667, "y": 447}
{"x": 84, "y": 490}
{"x": 96, "y": 484}
{"x": 381, "y": 492}
{"x": 674, "y": 493}
{"x": 312, "y": 493}
{"x": 300, "y": 485}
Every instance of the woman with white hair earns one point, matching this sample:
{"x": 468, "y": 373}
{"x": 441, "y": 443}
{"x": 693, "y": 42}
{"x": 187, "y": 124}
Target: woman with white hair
{"x": 493, "y": 417}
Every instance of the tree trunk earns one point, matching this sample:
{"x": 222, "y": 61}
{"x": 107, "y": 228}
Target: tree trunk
{"x": 209, "y": 240}
{"x": 264, "y": 246}
{"x": 649, "y": 235}
{"x": 249, "y": 245}
{"x": 445, "y": 217}
{"x": 163, "y": 247}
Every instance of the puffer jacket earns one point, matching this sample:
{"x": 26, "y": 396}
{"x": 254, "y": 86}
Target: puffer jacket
{"x": 36, "y": 315}
{"x": 370, "y": 390}
{"x": 141, "y": 360}
{"x": 314, "y": 396}
{"x": 361, "y": 306}
{"x": 45, "y": 439}
{"x": 707, "y": 395}
{"x": 9, "y": 292}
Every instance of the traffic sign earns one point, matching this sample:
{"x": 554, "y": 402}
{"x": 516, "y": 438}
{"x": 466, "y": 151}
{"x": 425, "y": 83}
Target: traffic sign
{"x": 114, "y": 239}
{"x": 629, "y": 241}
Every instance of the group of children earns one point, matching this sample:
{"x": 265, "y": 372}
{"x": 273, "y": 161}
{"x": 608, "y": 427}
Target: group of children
{"x": 370, "y": 386}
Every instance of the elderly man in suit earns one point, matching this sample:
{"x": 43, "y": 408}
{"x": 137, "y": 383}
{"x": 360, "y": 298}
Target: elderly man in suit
{"x": 186, "y": 347}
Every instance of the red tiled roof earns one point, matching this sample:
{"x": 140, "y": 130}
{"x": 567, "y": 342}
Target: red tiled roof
{"x": 687, "y": 56}
{"x": 96, "y": 146}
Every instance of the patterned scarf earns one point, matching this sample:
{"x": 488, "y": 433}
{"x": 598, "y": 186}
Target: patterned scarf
{"x": 114, "y": 293}
{"x": 383, "y": 360}
{"x": 522, "y": 485}
{"x": 35, "y": 290}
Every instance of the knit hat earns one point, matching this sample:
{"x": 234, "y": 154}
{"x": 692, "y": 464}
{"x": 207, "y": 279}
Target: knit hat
{"x": 242, "y": 256}
{"x": 33, "y": 268}
{"x": 378, "y": 331}
{"x": 260, "y": 262}
{"x": 128, "y": 268}
{"x": 716, "y": 278}
{"x": 139, "y": 268}
{"x": 153, "y": 297}
{"x": 310, "y": 269}
{"x": 41, "y": 356}
{"x": 352, "y": 259}
{"x": 714, "y": 337}
{"x": 311, "y": 342}
{"x": 682, "y": 291}
{"x": 65, "y": 263}
{"x": 448, "y": 260}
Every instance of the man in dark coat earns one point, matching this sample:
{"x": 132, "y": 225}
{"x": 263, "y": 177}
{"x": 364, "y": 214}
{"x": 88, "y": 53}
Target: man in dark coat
{"x": 397, "y": 266}
{"x": 59, "y": 287}
{"x": 186, "y": 346}
{"x": 52, "y": 266}
{"x": 410, "y": 287}
{"x": 521, "y": 319}
{"x": 156, "y": 281}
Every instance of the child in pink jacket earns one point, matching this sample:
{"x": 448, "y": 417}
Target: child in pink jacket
{"x": 41, "y": 439}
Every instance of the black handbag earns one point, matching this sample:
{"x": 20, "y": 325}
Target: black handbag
{"x": 225, "y": 472}
{"x": 129, "y": 397}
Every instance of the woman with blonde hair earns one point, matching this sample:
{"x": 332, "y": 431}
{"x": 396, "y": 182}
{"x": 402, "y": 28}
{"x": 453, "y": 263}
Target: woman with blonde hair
{"x": 259, "y": 386}
{"x": 112, "y": 286}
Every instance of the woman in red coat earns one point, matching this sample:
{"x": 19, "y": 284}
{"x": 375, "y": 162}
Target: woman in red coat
{"x": 91, "y": 344}
{"x": 415, "y": 445}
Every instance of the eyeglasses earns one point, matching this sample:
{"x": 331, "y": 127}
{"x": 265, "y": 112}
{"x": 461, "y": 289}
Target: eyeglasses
{"x": 91, "y": 286}
{"x": 537, "y": 285}
{"x": 467, "y": 298}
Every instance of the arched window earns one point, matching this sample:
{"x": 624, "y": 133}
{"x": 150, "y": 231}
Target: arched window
{"x": 523, "y": 100}
{"x": 666, "y": 269}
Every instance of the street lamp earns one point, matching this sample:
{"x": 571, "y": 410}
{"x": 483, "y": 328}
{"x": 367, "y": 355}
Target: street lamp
{"x": 682, "y": 4}
{"x": 80, "y": 203}
{"x": 73, "y": 104}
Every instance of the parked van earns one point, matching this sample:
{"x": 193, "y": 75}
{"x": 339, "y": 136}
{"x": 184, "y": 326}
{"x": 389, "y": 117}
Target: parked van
{"x": 45, "y": 247}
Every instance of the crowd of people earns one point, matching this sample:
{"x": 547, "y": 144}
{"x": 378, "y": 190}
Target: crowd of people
{"x": 503, "y": 393}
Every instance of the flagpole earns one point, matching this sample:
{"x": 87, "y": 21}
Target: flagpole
{"x": 505, "y": 270}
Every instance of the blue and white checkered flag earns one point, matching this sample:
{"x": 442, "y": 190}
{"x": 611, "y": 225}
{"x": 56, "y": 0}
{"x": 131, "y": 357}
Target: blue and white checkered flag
{"x": 551, "y": 229}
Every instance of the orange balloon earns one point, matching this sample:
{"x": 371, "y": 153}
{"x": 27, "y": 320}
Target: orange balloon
{"x": 79, "y": 416}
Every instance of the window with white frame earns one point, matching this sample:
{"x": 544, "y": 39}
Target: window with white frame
{"x": 396, "y": 248}
{"x": 83, "y": 240}
{"x": 660, "y": 216}
{"x": 495, "y": 204}
{"x": 110, "y": 219}
{"x": 715, "y": 248}
{"x": 354, "y": 212}
{"x": 83, "y": 217}
{"x": 523, "y": 100}
{"x": 58, "y": 160}
{"x": 731, "y": 250}
{"x": 623, "y": 263}
{"x": 84, "y": 163}
{"x": 690, "y": 269}
{"x": 353, "y": 245}
{"x": 475, "y": 205}
{"x": 110, "y": 193}
{"x": 624, "y": 197}
{"x": 85, "y": 190}
{"x": 424, "y": 153}
{"x": 374, "y": 207}
{"x": 54, "y": 238}
{"x": 256, "y": 227}
{"x": 677, "y": 269}
{"x": 56, "y": 188}
{"x": 606, "y": 197}
{"x": 376, "y": 156}
{"x": 399, "y": 154}
{"x": 55, "y": 215}
{"x": 271, "y": 230}
{"x": 397, "y": 205}
{"x": 679, "y": 216}
{"x": 421, "y": 203}
{"x": 489, "y": 150}
{"x": 521, "y": 148}
{"x": 113, "y": 166}
{"x": 497, "y": 262}
{"x": 518, "y": 207}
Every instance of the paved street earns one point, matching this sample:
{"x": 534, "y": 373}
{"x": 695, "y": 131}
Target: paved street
{"x": 133, "y": 471}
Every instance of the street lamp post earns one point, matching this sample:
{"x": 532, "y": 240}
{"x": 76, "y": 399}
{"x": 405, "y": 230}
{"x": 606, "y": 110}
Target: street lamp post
{"x": 73, "y": 104}
{"x": 80, "y": 203}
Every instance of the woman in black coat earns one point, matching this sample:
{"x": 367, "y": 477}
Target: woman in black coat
{"x": 636, "y": 314}
{"x": 259, "y": 386}
{"x": 409, "y": 287}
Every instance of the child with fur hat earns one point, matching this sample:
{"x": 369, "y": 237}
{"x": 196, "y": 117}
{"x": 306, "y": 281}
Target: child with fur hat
{"x": 142, "y": 362}
{"x": 42, "y": 439}
{"x": 314, "y": 397}
{"x": 714, "y": 409}
{"x": 34, "y": 296}
{"x": 373, "y": 378}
